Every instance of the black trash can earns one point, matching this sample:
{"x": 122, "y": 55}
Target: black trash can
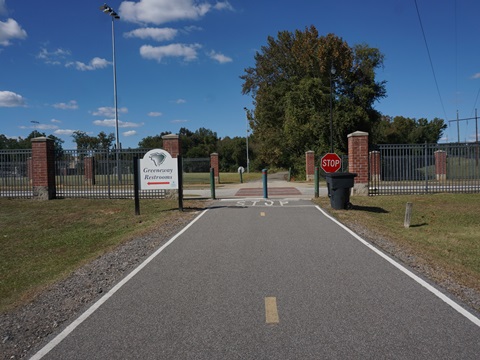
{"x": 339, "y": 187}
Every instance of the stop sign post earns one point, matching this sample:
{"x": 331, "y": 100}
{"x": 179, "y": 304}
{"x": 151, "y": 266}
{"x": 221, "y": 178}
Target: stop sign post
{"x": 331, "y": 163}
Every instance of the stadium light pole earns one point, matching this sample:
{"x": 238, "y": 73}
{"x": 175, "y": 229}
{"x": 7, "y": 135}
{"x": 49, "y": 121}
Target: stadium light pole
{"x": 332, "y": 72}
{"x": 109, "y": 11}
{"x": 248, "y": 160}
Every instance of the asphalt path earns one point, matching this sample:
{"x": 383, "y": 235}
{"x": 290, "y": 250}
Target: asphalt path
{"x": 269, "y": 279}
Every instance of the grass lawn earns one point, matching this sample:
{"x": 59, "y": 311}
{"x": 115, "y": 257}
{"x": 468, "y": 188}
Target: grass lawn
{"x": 43, "y": 241}
{"x": 444, "y": 232}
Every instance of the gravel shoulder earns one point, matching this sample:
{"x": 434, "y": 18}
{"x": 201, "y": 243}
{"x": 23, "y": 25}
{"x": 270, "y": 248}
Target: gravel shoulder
{"x": 24, "y": 330}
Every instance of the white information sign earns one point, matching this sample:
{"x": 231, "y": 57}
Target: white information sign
{"x": 158, "y": 170}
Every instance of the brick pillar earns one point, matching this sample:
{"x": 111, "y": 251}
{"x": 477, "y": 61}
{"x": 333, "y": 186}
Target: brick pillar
{"x": 375, "y": 166}
{"x": 310, "y": 165}
{"x": 214, "y": 163}
{"x": 89, "y": 166}
{"x": 171, "y": 144}
{"x": 441, "y": 165}
{"x": 43, "y": 168}
{"x": 358, "y": 160}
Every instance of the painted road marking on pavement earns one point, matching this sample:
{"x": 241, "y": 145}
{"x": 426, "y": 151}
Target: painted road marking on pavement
{"x": 262, "y": 213}
{"x": 269, "y": 203}
{"x": 407, "y": 272}
{"x": 271, "y": 311}
{"x": 47, "y": 348}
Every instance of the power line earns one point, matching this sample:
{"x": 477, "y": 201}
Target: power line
{"x": 430, "y": 59}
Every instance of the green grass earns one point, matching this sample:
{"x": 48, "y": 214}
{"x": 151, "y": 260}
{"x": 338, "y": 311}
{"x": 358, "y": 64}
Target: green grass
{"x": 43, "y": 241}
{"x": 444, "y": 232}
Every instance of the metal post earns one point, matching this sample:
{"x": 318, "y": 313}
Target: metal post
{"x": 109, "y": 11}
{"x": 476, "y": 138}
{"x": 316, "y": 180}
{"x": 136, "y": 185}
{"x": 265, "y": 188}
{"x": 212, "y": 183}
{"x": 180, "y": 182}
{"x": 117, "y": 142}
{"x": 332, "y": 72}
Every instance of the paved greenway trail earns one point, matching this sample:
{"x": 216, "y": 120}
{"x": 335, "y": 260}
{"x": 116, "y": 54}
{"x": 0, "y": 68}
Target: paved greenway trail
{"x": 275, "y": 279}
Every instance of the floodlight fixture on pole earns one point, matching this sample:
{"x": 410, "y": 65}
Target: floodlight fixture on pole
{"x": 109, "y": 11}
{"x": 332, "y": 72}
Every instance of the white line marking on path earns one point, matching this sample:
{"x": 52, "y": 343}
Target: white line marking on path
{"x": 55, "y": 341}
{"x": 407, "y": 272}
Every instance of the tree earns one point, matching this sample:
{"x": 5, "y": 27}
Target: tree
{"x": 87, "y": 142}
{"x": 153, "y": 142}
{"x": 232, "y": 153}
{"x": 21, "y": 143}
{"x": 402, "y": 130}
{"x": 291, "y": 90}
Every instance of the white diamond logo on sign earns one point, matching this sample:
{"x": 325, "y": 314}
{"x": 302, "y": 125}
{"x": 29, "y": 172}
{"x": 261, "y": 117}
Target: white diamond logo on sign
{"x": 158, "y": 170}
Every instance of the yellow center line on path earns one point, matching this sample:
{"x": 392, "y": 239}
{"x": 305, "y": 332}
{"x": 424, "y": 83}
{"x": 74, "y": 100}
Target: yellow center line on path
{"x": 271, "y": 312}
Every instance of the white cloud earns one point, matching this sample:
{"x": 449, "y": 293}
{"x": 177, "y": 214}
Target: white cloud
{"x": 154, "y": 114}
{"x": 71, "y": 105}
{"x": 162, "y": 11}
{"x": 10, "y": 30}
{"x": 94, "y": 64}
{"x": 129, "y": 133}
{"x": 223, "y": 6}
{"x": 106, "y": 111}
{"x": 178, "y": 121}
{"x": 156, "y": 34}
{"x": 55, "y": 121}
{"x": 10, "y": 99}
{"x": 55, "y": 57}
{"x": 476, "y": 76}
{"x": 3, "y": 7}
{"x": 187, "y": 52}
{"x": 121, "y": 124}
{"x": 222, "y": 59}
{"x": 180, "y": 101}
{"x": 44, "y": 127}
{"x": 66, "y": 132}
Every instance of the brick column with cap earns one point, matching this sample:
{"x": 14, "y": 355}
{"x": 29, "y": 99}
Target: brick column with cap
{"x": 358, "y": 160}
{"x": 214, "y": 163}
{"x": 310, "y": 165}
{"x": 171, "y": 144}
{"x": 43, "y": 168}
{"x": 375, "y": 166}
{"x": 89, "y": 165}
{"x": 441, "y": 165}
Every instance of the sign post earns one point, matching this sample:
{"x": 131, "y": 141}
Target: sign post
{"x": 331, "y": 163}
{"x": 158, "y": 170}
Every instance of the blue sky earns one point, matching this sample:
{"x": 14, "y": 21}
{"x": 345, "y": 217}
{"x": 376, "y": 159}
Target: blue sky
{"x": 179, "y": 61}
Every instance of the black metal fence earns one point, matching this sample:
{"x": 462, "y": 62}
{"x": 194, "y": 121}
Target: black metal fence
{"x": 15, "y": 174}
{"x": 424, "y": 168}
{"x": 99, "y": 174}
{"x": 89, "y": 174}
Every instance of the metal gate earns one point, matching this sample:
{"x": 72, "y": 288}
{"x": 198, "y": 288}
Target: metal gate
{"x": 424, "y": 168}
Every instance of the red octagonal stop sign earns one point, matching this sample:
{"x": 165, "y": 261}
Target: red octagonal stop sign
{"x": 331, "y": 163}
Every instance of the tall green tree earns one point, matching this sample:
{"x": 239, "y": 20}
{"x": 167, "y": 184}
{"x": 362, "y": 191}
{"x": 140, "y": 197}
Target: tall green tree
{"x": 291, "y": 87}
{"x": 402, "y": 130}
{"x": 87, "y": 142}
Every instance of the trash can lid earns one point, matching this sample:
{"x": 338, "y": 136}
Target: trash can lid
{"x": 341, "y": 175}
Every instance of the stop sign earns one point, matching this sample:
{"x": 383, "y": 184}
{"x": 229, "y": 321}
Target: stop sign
{"x": 331, "y": 163}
